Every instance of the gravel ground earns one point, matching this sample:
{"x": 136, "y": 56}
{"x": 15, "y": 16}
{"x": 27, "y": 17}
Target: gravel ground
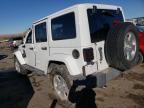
{"x": 17, "y": 91}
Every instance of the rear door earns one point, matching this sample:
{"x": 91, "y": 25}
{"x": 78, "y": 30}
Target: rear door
{"x": 41, "y": 45}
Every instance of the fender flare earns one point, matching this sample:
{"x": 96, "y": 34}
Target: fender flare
{"x": 19, "y": 57}
{"x": 69, "y": 61}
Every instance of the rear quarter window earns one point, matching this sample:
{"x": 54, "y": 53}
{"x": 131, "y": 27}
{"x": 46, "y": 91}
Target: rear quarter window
{"x": 63, "y": 27}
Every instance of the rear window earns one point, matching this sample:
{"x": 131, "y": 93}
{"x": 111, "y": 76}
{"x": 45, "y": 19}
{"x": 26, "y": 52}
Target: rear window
{"x": 101, "y": 21}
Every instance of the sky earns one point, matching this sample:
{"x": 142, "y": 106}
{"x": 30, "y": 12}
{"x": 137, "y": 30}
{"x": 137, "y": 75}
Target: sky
{"x": 18, "y": 15}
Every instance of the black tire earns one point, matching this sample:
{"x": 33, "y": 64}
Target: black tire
{"x": 114, "y": 46}
{"x": 22, "y": 70}
{"x": 141, "y": 58}
{"x": 61, "y": 70}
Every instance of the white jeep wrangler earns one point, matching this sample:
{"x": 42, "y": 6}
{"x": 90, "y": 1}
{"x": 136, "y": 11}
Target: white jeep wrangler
{"x": 77, "y": 42}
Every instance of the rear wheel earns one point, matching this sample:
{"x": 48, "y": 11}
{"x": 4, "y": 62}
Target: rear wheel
{"x": 61, "y": 87}
{"x": 59, "y": 84}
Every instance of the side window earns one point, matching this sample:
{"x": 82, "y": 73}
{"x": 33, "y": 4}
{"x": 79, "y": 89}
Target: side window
{"x": 29, "y": 37}
{"x": 40, "y": 32}
{"x": 63, "y": 27}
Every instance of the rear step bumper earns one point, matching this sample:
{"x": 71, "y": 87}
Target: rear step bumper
{"x": 97, "y": 79}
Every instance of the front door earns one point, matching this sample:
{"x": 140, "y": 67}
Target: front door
{"x": 28, "y": 49}
{"x": 41, "y": 46}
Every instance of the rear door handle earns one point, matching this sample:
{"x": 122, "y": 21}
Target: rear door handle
{"x": 31, "y": 48}
{"x": 44, "y": 48}
{"x": 23, "y": 46}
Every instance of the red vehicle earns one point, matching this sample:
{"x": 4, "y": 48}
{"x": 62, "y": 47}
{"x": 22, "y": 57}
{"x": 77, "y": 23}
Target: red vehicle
{"x": 141, "y": 39}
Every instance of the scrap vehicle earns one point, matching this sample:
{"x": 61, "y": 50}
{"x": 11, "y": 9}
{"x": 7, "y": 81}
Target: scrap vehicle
{"x": 140, "y": 29}
{"x": 78, "y": 42}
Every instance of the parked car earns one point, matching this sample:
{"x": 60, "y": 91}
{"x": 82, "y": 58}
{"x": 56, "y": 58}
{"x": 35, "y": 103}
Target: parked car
{"x": 15, "y": 42}
{"x": 140, "y": 29}
{"x": 78, "y": 42}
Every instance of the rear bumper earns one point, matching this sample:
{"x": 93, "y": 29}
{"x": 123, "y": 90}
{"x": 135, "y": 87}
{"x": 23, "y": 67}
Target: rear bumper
{"x": 97, "y": 79}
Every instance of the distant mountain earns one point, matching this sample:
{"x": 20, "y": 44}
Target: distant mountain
{"x": 8, "y": 36}
{"x": 11, "y": 36}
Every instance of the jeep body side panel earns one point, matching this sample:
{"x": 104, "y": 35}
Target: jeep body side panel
{"x": 70, "y": 63}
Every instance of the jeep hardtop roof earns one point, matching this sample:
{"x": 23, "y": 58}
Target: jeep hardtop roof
{"x": 103, "y": 6}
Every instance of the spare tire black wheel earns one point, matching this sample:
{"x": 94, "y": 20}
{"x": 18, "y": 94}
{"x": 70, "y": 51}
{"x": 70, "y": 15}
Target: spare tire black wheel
{"x": 122, "y": 46}
{"x": 141, "y": 58}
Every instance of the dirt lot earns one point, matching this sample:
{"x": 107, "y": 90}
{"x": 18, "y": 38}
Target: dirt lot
{"x": 17, "y": 91}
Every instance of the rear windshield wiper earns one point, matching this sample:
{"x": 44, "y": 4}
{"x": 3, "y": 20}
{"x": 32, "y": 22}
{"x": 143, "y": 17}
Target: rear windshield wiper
{"x": 107, "y": 13}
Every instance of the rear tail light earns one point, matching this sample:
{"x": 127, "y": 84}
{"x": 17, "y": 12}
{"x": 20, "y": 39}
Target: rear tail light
{"x": 115, "y": 22}
{"x": 88, "y": 54}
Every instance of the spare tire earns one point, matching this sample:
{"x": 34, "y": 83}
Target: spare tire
{"x": 122, "y": 46}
